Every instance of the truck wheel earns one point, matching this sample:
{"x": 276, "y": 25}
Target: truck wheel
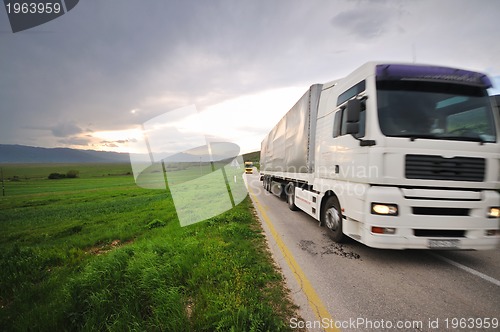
{"x": 282, "y": 194}
{"x": 332, "y": 218}
{"x": 290, "y": 196}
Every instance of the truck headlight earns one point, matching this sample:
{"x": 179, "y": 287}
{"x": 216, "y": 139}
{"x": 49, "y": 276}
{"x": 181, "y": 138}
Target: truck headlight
{"x": 494, "y": 212}
{"x": 385, "y": 209}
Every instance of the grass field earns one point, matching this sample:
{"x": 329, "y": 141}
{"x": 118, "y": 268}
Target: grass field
{"x": 99, "y": 253}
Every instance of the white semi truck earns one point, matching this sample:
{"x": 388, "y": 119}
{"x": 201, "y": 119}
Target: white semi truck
{"x": 394, "y": 156}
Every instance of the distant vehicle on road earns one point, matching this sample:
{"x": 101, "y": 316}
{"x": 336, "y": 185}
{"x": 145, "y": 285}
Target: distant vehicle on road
{"x": 248, "y": 167}
{"x": 394, "y": 156}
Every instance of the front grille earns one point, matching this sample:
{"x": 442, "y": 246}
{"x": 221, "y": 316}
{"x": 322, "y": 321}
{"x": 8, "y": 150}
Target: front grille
{"x": 438, "y": 233}
{"x": 439, "y": 211}
{"x": 439, "y": 168}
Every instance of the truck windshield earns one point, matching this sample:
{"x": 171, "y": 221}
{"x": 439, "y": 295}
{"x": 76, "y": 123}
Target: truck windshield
{"x": 435, "y": 110}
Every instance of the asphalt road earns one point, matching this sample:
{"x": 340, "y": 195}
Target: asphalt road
{"x": 351, "y": 287}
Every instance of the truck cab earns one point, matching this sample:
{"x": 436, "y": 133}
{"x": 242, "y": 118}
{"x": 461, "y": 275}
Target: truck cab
{"x": 396, "y": 156}
{"x": 412, "y": 153}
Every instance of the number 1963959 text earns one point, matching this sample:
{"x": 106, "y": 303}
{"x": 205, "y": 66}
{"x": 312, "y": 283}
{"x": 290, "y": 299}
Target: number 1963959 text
{"x": 33, "y": 8}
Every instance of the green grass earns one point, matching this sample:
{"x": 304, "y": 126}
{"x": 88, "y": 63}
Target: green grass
{"x": 100, "y": 253}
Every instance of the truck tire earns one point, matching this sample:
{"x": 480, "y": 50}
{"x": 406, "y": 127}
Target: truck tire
{"x": 331, "y": 216}
{"x": 290, "y": 196}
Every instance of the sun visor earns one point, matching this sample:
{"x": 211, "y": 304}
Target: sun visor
{"x": 431, "y": 74}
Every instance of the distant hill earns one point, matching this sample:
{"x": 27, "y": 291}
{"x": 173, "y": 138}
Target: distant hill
{"x": 252, "y": 156}
{"x": 29, "y": 154}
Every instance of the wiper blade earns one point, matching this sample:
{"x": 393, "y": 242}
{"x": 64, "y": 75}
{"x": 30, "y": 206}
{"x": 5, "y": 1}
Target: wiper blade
{"x": 413, "y": 137}
{"x": 463, "y": 138}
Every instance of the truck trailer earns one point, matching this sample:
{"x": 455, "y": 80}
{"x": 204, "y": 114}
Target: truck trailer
{"x": 398, "y": 156}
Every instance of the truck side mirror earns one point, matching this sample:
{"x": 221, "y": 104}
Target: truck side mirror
{"x": 352, "y": 128}
{"x": 352, "y": 112}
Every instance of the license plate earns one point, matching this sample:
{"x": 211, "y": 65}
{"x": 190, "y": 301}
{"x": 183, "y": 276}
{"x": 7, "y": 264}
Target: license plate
{"x": 444, "y": 244}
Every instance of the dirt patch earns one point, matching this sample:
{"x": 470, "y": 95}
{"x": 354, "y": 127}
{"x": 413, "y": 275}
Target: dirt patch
{"x": 4, "y": 303}
{"x": 189, "y": 307}
{"x": 308, "y": 246}
{"x": 332, "y": 248}
{"x": 339, "y": 250}
{"x": 107, "y": 247}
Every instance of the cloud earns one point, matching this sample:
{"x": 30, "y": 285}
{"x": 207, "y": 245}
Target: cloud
{"x": 113, "y": 144}
{"x": 170, "y": 54}
{"x": 75, "y": 141}
{"x": 365, "y": 23}
{"x": 109, "y": 144}
{"x": 66, "y": 129}
{"x": 495, "y": 90}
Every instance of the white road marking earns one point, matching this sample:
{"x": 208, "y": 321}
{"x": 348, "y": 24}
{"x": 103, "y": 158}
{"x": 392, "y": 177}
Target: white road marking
{"x": 467, "y": 269}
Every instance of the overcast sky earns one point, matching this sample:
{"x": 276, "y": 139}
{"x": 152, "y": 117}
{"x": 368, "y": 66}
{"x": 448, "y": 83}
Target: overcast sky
{"x": 91, "y": 77}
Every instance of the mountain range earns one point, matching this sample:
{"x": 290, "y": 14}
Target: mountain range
{"x": 28, "y": 154}
{"x": 20, "y": 154}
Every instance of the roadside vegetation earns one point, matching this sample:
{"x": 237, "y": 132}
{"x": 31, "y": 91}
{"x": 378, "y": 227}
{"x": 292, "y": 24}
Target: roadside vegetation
{"x": 96, "y": 253}
{"x": 254, "y": 157}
